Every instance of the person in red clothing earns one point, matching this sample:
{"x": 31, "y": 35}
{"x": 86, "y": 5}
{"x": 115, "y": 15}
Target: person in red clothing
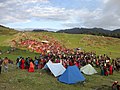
{"x": 70, "y": 63}
{"x": 105, "y": 70}
{"x": 76, "y": 64}
{"x": 31, "y": 68}
{"x": 22, "y": 63}
{"x": 110, "y": 69}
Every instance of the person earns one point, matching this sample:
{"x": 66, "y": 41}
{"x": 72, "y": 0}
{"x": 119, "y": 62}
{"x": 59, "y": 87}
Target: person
{"x": 27, "y": 63}
{"x": 102, "y": 70}
{"x": 17, "y": 63}
{"x": 31, "y": 68}
{"x": 5, "y": 63}
{"x": 105, "y": 70}
{"x": 36, "y": 63}
{"x": 1, "y": 65}
{"x": 115, "y": 85}
{"x": 22, "y": 63}
{"x": 110, "y": 70}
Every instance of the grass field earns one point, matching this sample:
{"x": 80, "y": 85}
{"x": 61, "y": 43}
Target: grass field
{"x": 16, "y": 79}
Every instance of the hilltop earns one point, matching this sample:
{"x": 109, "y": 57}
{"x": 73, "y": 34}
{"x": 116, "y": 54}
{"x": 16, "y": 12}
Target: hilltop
{"x": 6, "y": 30}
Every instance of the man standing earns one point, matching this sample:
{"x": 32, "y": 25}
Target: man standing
{"x": 5, "y": 63}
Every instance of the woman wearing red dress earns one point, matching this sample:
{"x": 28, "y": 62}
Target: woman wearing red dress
{"x": 22, "y": 63}
{"x": 31, "y": 68}
{"x": 110, "y": 70}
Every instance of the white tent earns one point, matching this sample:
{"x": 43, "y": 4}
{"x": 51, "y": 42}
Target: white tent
{"x": 56, "y": 68}
{"x": 44, "y": 41}
{"x": 88, "y": 70}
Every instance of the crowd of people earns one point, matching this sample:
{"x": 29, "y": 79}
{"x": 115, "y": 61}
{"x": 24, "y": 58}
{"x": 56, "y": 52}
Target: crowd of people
{"x": 69, "y": 58}
{"x": 27, "y": 63}
{"x": 43, "y": 47}
{"x": 54, "y": 51}
{"x": 51, "y": 49}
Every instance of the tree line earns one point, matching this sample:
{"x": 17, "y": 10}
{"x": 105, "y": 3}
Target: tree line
{"x": 92, "y": 31}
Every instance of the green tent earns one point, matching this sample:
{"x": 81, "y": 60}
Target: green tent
{"x": 88, "y": 70}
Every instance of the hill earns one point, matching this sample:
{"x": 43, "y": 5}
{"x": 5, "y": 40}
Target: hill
{"x": 92, "y": 31}
{"x": 98, "y": 44}
{"x": 6, "y": 30}
{"x": 17, "y": 79}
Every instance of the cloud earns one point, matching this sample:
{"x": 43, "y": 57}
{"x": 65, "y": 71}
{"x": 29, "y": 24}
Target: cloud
{"x": 25, "y": 10}
{"x": 14, "y": 11}
{"x": 106, "y": 16}
{"x": 82, "y": 18}
{"x": 106, "y": 1}
{"x": 51, "y": 13}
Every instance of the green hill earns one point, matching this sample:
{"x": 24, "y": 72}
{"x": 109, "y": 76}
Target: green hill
{"x": 16, "y": 79}
{"x": 6, "y": 30}
{"x": 98, "y": 44}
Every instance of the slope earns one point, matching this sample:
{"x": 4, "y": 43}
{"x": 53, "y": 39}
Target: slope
{"x": 6, "y": 30}
{"x": 98, "y": 44}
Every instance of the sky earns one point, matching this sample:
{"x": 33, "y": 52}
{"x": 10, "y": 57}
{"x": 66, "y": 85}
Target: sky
{"x": 60, "y": 14}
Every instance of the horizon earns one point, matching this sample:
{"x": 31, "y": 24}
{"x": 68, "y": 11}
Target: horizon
{"x": 57, "y": 14}
{"x": 55, "y": 30}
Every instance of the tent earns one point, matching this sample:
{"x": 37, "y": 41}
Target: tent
{"x": 44, "y": 41}
{"x": 72, "y": 75}
{"x": 88, "y": 70}
{"x": 56, "y": 68}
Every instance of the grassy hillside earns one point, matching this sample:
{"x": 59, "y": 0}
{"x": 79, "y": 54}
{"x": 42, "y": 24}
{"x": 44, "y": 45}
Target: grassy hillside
{"x": 5, "y": 30}
{"x": 16, "y": 79}
{"x": 98, "y": 44}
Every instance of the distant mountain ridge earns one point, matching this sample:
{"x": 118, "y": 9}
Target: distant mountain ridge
{"x": 92, "y": 31}
{"x": 39, "y": 30}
